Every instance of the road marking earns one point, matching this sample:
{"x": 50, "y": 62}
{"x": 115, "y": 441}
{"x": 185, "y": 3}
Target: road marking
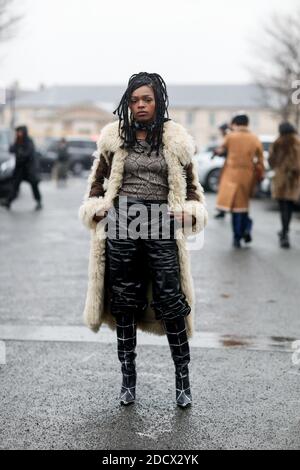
{"x": 79, "y": 334}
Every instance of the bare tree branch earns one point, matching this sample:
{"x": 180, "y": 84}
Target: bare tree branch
{"x": 278, "y": 64}
{"x": 8, "y": 20}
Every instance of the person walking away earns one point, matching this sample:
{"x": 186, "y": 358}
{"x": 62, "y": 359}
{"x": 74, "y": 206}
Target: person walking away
{"x": 224, "y": 129}
{"x": 244, "y": 165}
{"x": 26, "y": 168}
{"x": 62, "y": 163}
{"x": 284, "y": 159}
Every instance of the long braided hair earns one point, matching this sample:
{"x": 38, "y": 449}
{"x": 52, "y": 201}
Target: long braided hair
{"x": 127, "y": 129}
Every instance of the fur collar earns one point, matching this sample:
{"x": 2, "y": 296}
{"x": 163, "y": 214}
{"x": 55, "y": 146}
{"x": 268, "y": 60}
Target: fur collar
{"x": 177, "y": 141}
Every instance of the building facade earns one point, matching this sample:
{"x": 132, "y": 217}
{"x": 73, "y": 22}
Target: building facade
{"x": 83, "y": 110}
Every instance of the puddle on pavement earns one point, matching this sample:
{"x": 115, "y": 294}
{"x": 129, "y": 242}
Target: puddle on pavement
{"x": 256, "y": 343}
{"x": 201, "y": 339}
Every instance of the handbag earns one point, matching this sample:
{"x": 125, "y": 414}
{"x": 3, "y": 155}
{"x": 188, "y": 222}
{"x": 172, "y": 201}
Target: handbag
{"x": 259, "y": 173}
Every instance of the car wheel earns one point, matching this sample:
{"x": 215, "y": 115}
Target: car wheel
{"x": 213, "y": 179}
{"x": 77, "y": 168}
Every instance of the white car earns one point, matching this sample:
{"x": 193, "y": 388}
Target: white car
{"x": 209, "y": 169}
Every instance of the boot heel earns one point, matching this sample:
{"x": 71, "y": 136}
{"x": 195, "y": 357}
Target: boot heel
{"x": 127, "y": 393}
{"x": 183, "y": 390}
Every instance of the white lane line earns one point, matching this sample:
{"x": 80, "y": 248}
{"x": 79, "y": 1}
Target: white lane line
{"x": 2, "y": 353}
{"x": 207, "y": 340}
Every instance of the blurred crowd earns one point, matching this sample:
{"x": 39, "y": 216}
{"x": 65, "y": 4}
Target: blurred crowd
{"x": 244, "y": 168}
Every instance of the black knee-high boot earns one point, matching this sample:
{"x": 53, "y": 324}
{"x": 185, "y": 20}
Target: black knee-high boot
{"x": 180, "y": 351}
{"x": 126, "y": 341}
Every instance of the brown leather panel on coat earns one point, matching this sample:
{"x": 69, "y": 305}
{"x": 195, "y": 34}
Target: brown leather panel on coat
{"x": 102, "y": 172}
{"x": 191, "y": 194}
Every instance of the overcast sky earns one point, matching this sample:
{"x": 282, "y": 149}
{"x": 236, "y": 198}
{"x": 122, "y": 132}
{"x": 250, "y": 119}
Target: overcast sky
{"x": 106, "y": 41}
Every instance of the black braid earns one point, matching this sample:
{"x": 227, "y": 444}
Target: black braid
{"x": 126, "y": 130}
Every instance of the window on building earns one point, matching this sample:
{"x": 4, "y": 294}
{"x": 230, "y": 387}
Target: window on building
{"x": 255, "y": 120}
{"x": 48, "y": 131}
{"x": 83, "y": 131}
{"x": 212, "y": 119}
{"x": 190, "y": 118}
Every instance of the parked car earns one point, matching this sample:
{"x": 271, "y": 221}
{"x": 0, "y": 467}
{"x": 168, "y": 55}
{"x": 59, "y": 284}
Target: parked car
{"x": 5, "y": 138}
{"x": 80, "y": 150}
{"x": 209, "y": 169}
{"x": 7, "y": 163}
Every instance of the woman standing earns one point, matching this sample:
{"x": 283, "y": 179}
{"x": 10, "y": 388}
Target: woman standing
{"x": 243, "y": 167}
{"x": 144, "y": 159}
{"x": 285, "y": 160}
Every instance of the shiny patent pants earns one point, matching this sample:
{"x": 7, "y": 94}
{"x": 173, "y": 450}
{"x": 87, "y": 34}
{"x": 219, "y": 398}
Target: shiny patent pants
{"x": 131, "y": 262}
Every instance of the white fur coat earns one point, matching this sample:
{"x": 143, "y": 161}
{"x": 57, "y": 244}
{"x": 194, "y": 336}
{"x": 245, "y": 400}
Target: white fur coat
{"x": 179, "y": 148}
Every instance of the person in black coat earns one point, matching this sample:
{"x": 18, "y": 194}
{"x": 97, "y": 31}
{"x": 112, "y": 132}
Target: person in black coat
{"x": 62, "y": 163}
{"x": 224, "y": 130}
{"x": 26, "y": 168}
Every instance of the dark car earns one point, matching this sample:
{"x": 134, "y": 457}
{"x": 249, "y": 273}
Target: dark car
{"x": 7, "y": 163}
{"x": 80, "y": 150}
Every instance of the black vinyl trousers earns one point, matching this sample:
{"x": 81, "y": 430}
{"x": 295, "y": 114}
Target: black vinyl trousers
{"x": 130, "y": 263}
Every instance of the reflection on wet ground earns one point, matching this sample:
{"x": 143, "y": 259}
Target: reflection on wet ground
{"x": 199, "y": 340}
{"x": 255, "y": 343}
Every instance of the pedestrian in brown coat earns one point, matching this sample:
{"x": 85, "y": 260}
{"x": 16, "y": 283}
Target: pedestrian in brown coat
{"x": 285, "y": 160}
{"x": 243, "y": 168}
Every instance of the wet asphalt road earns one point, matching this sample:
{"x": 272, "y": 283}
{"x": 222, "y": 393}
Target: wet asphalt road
{"x": 64, "y": 394}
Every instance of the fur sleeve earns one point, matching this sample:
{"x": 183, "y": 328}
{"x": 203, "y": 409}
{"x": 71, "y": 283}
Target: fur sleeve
{"x": 194, "y": 204}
